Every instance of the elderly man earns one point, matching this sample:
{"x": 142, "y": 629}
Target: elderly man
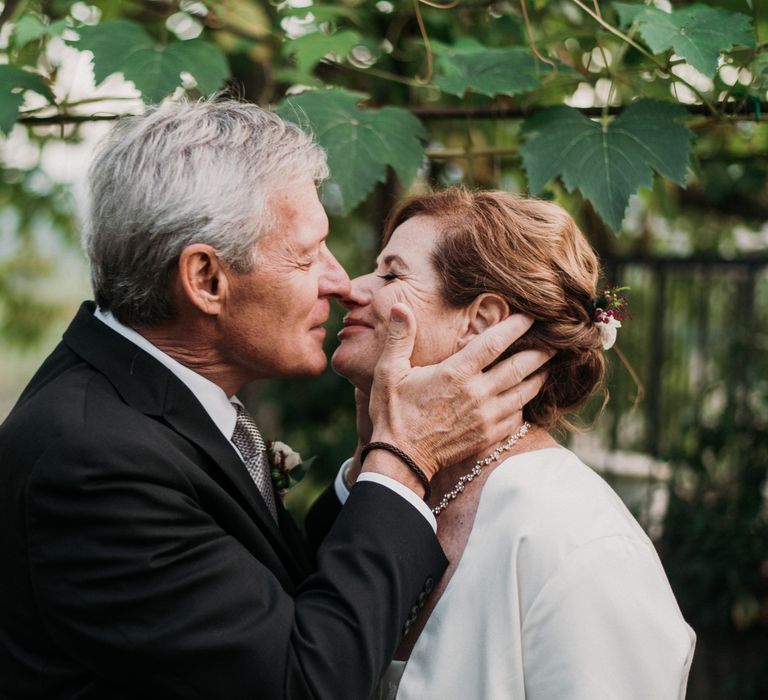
{"x": 144, "y": 551}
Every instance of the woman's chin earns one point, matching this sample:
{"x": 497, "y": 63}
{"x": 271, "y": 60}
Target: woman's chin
{"x": 348, "y": 366}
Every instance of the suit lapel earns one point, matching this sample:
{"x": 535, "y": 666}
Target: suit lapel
{"x": 148, "y": 386}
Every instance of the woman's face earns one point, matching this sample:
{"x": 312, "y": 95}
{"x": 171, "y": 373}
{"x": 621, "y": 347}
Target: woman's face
{"x": 404, "y": 273}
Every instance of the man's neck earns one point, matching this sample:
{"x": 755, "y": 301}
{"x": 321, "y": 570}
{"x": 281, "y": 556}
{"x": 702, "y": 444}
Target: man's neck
{"x": 190, "y": 349}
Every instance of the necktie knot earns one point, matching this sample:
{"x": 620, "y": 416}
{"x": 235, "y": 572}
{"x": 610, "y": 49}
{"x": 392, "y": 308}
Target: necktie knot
{"x": 249, "y": 442}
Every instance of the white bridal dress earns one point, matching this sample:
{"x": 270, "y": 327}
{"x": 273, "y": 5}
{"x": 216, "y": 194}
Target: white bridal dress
{"x": 559, "y": 595}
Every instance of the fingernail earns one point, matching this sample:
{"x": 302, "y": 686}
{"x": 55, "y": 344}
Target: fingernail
{"x": 396, "y": 316}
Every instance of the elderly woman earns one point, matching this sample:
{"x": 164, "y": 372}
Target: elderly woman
{"x": 554, "y": 592}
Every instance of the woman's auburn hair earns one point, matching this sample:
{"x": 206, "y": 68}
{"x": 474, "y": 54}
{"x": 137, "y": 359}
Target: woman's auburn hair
{"x": 531, "y": 253}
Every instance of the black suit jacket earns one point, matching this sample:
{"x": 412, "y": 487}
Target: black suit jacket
{"x": 139, "y": 561}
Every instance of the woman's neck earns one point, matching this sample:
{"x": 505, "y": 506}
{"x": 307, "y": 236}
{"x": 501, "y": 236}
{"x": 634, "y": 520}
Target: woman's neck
{"x": 535, "y": 439}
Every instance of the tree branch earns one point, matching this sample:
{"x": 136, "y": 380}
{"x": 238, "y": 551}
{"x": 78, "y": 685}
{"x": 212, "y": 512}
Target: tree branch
{"x": 742, "y": 112}
{"x": 518, "y": 112}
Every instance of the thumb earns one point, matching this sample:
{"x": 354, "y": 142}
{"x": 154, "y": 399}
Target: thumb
{"x": 401, "y": 334}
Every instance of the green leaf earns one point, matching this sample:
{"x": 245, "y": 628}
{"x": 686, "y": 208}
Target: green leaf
{"x": 113, "y": 45}
{"x": 698, "y": 33}
{"x": 13, "y": 83}
{"x": 309, "y": 49}
{"x": 28, "y": 28}
{"x": 300, "y": 470}
{"x": 360, "y": 142}
{"x": 628, "y": 12}
{"x": 10, "y": 104}
{"x": 607, "y": 162}
{"x": 295, "y": 77}
{"x": 468, "y": 65}
{"x": 205, "y": 61}
{"x": 124, "y": 47}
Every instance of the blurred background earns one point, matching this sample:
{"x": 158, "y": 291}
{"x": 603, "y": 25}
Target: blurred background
{"x": 684, "y": 437}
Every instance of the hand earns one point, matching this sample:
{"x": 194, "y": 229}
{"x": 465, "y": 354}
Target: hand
{"x": 444, "y": 413}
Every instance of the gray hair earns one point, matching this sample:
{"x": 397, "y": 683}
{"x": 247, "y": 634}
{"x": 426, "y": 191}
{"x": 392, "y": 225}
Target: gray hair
{"x": 185, "y": 173}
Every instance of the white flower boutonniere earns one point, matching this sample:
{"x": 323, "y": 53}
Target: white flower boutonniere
{"x": 286, "y": 466}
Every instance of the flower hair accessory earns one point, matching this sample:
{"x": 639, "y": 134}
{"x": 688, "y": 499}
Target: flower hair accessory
{"x": 285, "y": 466}
{"x": 610, "y": 309}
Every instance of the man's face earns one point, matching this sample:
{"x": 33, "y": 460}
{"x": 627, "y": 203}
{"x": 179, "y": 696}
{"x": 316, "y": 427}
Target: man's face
{"x": 275, "y": 313}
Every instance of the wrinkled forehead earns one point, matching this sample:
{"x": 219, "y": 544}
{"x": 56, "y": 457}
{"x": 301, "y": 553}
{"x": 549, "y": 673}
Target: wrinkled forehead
{"x": 412, "y": 241}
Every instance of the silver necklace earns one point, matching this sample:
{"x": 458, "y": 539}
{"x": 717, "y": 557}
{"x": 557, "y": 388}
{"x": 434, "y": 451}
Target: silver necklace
{"x": 475, "y": 471}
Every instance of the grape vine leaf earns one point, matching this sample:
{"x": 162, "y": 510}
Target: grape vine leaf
{"x": 13, "y": 83}
{"x": 360, "y": 143}
{"x": 122, "y": 46}
{"x": 698, "y": 33}
{"x": 468, "y": 65}
{"x": 309, "y": 49}
{"x": 607, "y": 162}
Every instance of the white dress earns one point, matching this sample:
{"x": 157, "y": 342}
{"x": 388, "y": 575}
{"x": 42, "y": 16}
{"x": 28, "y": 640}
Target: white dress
{"x": 559, "y": 595}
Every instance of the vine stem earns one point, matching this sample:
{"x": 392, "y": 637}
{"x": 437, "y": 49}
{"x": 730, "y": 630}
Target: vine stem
{"x": 627, "y": 39}
{"x": 531, "y": 40}
{"x": 437, "y": 6}
{"x": 635, "y": 378}
{"x": 425, "y": 36}
{"x": 382, "y": 74}
{"x": 66, "y": 105}
{"x": 617, "y": 32}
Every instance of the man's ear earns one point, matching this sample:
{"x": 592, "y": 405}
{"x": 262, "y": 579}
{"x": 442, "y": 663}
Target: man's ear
{"x": 485, "y": 311}
{"x": 202, "y": 278}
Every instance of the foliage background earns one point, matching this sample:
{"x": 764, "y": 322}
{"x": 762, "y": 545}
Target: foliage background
{"x": 645, "y": 120}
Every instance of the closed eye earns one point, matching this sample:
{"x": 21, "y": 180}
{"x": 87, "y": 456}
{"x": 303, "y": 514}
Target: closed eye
{"x": 389, "y": 276}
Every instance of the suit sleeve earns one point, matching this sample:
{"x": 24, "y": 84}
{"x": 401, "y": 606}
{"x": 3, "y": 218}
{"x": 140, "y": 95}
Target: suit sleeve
{"x": 321, "y": 516}
{"x": 139, "y": 584}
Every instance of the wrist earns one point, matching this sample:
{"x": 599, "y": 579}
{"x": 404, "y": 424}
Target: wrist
{"x": 389, "y": 457}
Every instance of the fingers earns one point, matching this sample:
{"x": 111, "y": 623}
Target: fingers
{"x": 512, "y": 401}
{"x": 489, "y": 345}
{"x": 514, "y": 382}
{"x": 395, "y": 359}
{"x": 513, "y": 371}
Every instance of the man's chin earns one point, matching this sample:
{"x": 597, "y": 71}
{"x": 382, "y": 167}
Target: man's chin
{"x": 315, "y": 369}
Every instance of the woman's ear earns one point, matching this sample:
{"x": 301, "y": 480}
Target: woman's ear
{"x": 485, "y": 311}
{"x": 202, "y": 278}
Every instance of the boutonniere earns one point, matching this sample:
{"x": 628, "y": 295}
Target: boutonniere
{"x": 286, "y": 466}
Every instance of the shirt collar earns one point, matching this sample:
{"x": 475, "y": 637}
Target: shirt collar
{"x": 211, "y": 396}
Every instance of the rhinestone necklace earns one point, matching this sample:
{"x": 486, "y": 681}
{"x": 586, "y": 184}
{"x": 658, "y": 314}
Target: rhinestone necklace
{"x": 475, "y": 471}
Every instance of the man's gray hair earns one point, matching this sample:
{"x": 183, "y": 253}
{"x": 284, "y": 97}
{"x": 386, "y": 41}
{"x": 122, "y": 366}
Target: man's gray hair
{"x": 185, "y": 173}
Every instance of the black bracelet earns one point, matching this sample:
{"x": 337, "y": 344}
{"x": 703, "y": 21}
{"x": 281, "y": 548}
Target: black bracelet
{"x": 404, "y": 457}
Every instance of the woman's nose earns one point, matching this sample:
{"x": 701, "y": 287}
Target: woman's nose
{"x": 360, "y": 292}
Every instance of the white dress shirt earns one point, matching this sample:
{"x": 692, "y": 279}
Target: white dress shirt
{"x": 224, "y": 415}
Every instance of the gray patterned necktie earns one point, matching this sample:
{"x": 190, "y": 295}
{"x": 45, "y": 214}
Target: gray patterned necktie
{"x": 247, "y": 438}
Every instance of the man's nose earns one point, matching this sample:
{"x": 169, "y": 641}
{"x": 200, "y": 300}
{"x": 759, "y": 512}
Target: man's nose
{"x": 335, "y": 282}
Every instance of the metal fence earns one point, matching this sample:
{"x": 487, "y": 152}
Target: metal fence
{"x": 698, "y": 341}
